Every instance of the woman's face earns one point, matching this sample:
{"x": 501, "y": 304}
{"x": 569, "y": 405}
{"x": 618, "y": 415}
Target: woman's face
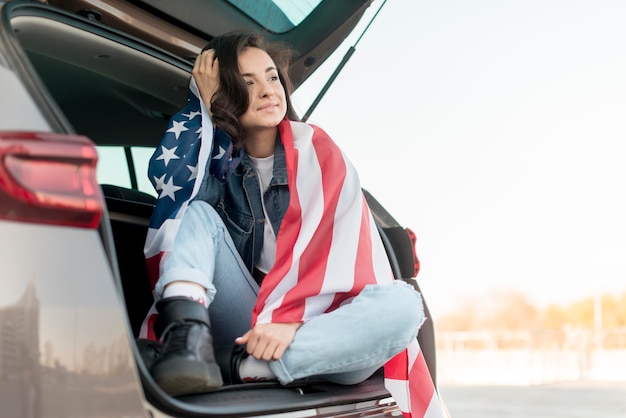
{"x": 268, "y": 104}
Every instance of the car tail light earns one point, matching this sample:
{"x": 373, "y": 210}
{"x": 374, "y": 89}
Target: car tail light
{"x": 416, "y": 261}
{"x": 49, "y": 178}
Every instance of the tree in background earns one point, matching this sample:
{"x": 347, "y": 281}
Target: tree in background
{"x": 514, "y": 311}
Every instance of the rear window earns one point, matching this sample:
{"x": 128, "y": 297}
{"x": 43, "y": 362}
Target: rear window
{"x": 277, "y": 16}
{"x": 116, "y": 168}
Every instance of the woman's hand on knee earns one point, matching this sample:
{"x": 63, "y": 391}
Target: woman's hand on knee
{"x": 269, "y": 341}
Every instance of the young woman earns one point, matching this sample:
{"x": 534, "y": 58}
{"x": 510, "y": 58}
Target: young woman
{"x": 276, "y": 271}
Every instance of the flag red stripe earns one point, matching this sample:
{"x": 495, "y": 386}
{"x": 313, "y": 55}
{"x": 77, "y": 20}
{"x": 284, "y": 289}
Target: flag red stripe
{"x": 286, "y": 236}
{"x": 152, "y": 265}
{"x": 421, "y": 387}
{"x": 398, "y": 367}
{"x": 313, "y": 261}
{"x": 364, "y": 273}
{"x": 364, "y": 267}
{"x": 150, "y": 329}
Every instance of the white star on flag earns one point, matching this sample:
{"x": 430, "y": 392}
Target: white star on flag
{"x": 220, "y": 154}
{"x": 167, "y": 155}
{"x": 177, "y": 128}
{"x": 159, "y": 182}
{"x": 194, "y": 172}
{"x": 192, "y": 115}
{"x": 169, "y": 189}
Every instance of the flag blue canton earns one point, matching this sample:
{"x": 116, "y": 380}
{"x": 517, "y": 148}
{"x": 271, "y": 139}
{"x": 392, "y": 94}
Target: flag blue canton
{"x": 174, "y": 165}
{"x": 173, "y": 168}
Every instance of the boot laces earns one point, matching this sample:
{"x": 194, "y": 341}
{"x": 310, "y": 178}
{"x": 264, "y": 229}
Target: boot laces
{"x": 175, "y": 335}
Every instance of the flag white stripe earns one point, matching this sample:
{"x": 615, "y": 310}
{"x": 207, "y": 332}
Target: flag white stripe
{"x": 162, "y": 239}
{"x": 435, "y": 408}
{"x": 382, "y": 266}
{"x": 413, "y": 352}
{"x": 339, "y": 274}
{"x": 399, "y": 389}
{"x": 206, "y": 145}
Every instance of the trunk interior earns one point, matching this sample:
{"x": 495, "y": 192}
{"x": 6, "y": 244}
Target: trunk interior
{"x": 118, "y": 91}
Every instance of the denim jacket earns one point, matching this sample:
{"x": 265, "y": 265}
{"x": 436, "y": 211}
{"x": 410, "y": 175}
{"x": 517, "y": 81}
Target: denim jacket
{"x": 238, "y": 202}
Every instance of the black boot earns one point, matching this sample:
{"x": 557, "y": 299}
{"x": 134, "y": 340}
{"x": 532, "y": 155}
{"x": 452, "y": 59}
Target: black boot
{"x": 229, "y": 358}
{"x": 187, "y": 364}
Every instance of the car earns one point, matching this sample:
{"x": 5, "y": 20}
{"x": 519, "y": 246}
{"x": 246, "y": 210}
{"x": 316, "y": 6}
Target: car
{"x": 87, "y": 88}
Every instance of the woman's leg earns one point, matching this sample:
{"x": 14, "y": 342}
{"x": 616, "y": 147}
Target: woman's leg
{"x": 204, "y": 253}
{"x": 203, "y": 257}
{"x": 349, "y": 344}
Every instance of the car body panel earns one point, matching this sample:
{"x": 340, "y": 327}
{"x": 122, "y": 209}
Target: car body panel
{"x": 21, "y": 113}
{"x": 64, "y": 344}
{"x": 65, "y": 348}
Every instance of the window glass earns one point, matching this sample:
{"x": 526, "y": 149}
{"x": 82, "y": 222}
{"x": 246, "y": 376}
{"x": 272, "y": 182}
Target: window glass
{"x": 277, "y": 15}
{"x": 141, "y": 157}
{"x": 113, "y": 167}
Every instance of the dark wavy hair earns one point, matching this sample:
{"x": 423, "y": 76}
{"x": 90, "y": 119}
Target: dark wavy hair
{"x": 231, "y": 100}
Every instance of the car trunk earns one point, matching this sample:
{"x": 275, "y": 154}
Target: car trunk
{"x": 118, "y": 90}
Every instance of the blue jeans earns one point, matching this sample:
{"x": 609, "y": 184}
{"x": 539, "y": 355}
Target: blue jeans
{"x": 344, "y": 346}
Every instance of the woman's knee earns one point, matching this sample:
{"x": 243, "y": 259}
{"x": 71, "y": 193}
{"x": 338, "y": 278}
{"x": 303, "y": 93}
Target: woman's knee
{"x": 405, "y": 304}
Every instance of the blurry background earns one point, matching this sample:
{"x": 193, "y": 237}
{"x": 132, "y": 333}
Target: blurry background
{"x": 496, "y": 131}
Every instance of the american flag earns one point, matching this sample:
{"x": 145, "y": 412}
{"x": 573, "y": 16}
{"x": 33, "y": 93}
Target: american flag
{"x": 329, "y": 252}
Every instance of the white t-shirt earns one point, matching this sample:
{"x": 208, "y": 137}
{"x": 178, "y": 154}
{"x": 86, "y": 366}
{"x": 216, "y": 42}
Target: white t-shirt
{"x": 264, "y": 169}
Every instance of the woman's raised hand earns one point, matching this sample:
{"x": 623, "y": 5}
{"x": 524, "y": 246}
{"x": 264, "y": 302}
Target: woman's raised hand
{"x": 206, "y": 75}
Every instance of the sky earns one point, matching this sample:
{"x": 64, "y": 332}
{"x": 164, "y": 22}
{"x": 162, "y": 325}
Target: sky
{"x": 495, "y": 131}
